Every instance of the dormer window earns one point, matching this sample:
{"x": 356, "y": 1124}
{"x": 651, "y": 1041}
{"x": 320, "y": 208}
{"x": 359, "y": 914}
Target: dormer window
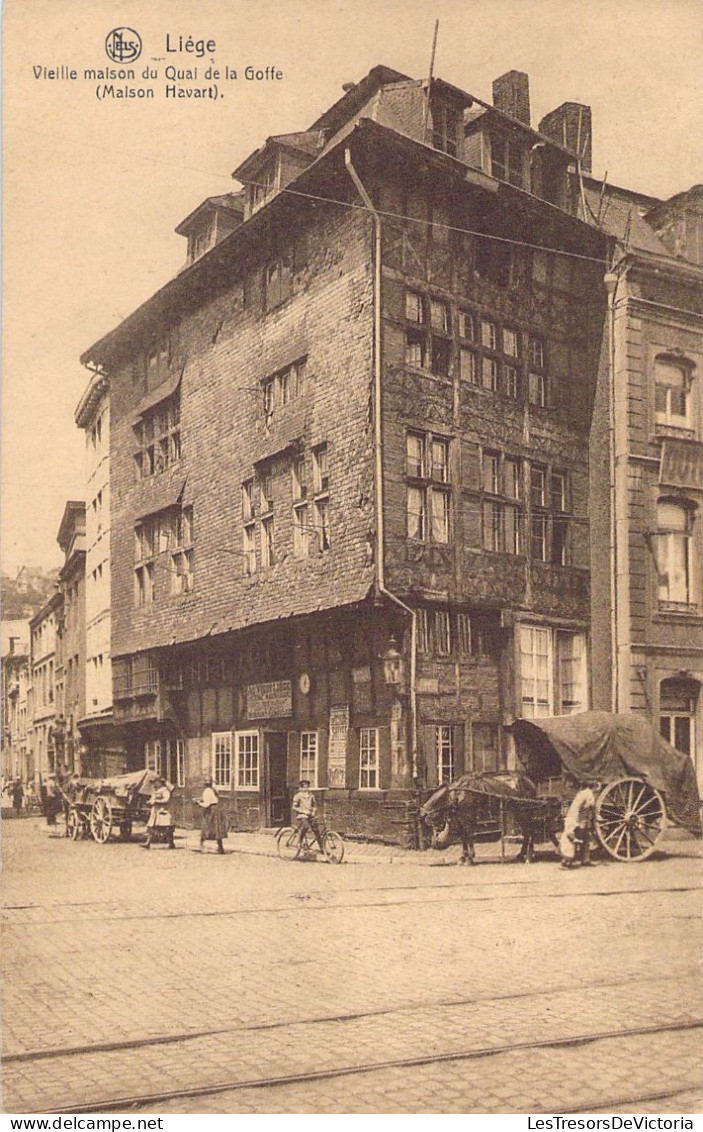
{"x": 446, "y": 121}
{"x": 200, "y": 242}
{"x": 266, "y": 184}
{"x": 507, "y": 155}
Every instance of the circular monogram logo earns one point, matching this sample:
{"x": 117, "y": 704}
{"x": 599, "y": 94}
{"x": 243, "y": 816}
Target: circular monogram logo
{"x": 123, "y": 45}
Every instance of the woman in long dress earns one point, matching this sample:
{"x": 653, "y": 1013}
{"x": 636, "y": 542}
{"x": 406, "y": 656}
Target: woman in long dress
{"x": 214, "y": 827}
{"x": 160, "y": 816}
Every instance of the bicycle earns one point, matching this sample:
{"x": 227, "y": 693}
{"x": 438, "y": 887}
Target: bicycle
{"x": 293, "y": 842}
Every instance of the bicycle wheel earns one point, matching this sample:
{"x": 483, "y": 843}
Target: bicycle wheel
{"x": 288, "y": 844}
{"x": 333, "y": 847}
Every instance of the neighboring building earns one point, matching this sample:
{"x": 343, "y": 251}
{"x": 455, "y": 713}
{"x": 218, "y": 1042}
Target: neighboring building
{"x": 101, "y": 751}
{"x": 349, "y": 462}
{"x": 648, "y": 652}
{"x": 42, "y": 711}
{"x": 16, "y": 753}
{"x": 70, "y": 645}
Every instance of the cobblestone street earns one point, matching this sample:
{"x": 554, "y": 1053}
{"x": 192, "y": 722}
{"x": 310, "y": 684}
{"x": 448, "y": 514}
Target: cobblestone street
{"x": 187, "y": 982}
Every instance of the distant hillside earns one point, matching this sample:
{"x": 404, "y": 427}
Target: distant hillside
{"x": 24, "y": 595}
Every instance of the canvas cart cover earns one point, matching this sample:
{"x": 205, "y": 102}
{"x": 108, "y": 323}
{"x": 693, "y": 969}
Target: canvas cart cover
{"x": 596, "y": 746}
{"x": 121, "y": 785}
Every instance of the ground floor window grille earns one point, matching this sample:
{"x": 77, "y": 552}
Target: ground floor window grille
{"x": 222, "y": 759}
{"x": 308, "y": 757}
{"x": 368, "y": 758}
{"x": 247, "y": 760}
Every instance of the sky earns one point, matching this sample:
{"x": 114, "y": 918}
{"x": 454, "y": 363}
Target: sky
{"x": 93, "y": 189}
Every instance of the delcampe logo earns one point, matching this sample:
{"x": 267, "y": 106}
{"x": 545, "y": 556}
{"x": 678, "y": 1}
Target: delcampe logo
{"x": 123, "y": 45}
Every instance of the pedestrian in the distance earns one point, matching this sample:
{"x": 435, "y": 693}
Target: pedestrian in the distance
{"x": 214, "y": 827}
{"x": 17, "y": 796}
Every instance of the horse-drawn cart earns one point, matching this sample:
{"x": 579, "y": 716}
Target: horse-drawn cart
{"x": 641, "y": 782}
{"x": 96, "y": 807}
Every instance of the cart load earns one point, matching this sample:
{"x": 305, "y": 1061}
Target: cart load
{"x": 642, "y": 780}
{"x": 97, "y": 806}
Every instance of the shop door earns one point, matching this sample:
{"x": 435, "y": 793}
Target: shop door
{"x": 277, "y": 795}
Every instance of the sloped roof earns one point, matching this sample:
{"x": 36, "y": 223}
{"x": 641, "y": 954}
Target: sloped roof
{"x": 621, "y": 214}
{"x": 232, "y": 202}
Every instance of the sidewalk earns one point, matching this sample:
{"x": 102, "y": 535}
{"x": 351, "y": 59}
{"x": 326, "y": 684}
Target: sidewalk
{"x": 262, "y": 843}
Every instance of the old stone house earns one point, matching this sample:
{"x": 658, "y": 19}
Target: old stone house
{"x": 349, "y": 458}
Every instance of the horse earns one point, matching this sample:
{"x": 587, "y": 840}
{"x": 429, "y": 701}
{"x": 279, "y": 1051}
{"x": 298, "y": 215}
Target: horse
{"x": 452, "y": 811}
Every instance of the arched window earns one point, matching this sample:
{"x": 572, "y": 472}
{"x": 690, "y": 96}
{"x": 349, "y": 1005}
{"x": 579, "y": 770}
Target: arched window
{"x": 674, "y": 529}
{"x": 672, "y": 380}
{"x": 677, "y": 709}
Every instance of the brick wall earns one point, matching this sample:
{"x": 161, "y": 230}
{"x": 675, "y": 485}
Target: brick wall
{"x": 224, "y": 350}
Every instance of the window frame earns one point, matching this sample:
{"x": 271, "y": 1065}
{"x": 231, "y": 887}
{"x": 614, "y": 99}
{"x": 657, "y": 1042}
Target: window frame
{"x": 309, "y": 758}
{"x": 253, "y": 770}
{"x": 371, "y": 768}
{"x": 224, "y": 737}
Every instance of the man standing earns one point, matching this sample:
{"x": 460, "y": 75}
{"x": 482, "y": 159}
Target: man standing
{"x": 17, "y": 796}
{"x": 575, "y": 841}
{"x": 305, "y": 809}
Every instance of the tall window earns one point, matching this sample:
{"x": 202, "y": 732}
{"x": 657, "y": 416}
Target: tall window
{"x": 284, "y": 386}
{"x": 222, "y": 759}
{"x": 247, "y": 760}
{"x": 427, "y": 333}
{"x": 537, "y": 380}
{"x": 553, "y": 671}
{"x": 158, "y": 437}
{"x": 673, "y": 538}
{"x": 677, "y": 706}
{"x": 308, "y": 757}
{"x": 671, "y": 396}
{"x": 368, "y": 759}
{"x": 428, "y": 495}
{"x": 249, "y": 534}
{"x": 549, "y": 524}
{"x": 299, "y": 477}
{"x": 536, "y": 670}
{"x": 321, "y": 496}
{"x": 444, "y": 748}
{"x": 278, "y": 283}
{"x": 501, "y": 506}
{"x": 181, "y": 544}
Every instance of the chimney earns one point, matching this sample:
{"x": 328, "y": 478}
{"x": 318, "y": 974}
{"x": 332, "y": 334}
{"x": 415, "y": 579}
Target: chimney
{"x": 570, "y": 126}
{"x": 511, "y": 94}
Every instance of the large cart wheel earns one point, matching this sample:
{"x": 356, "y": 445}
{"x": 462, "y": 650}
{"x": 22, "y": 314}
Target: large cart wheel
{"x": 288, "y": 843}
{"x": 630, "y": 818}
{"x": 74, "y": 825}
{"x": 101, "y": 820}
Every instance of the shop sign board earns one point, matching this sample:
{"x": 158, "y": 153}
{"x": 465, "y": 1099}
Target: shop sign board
{"x": 337, "y": 752}
{"x": 269, "y": 701}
